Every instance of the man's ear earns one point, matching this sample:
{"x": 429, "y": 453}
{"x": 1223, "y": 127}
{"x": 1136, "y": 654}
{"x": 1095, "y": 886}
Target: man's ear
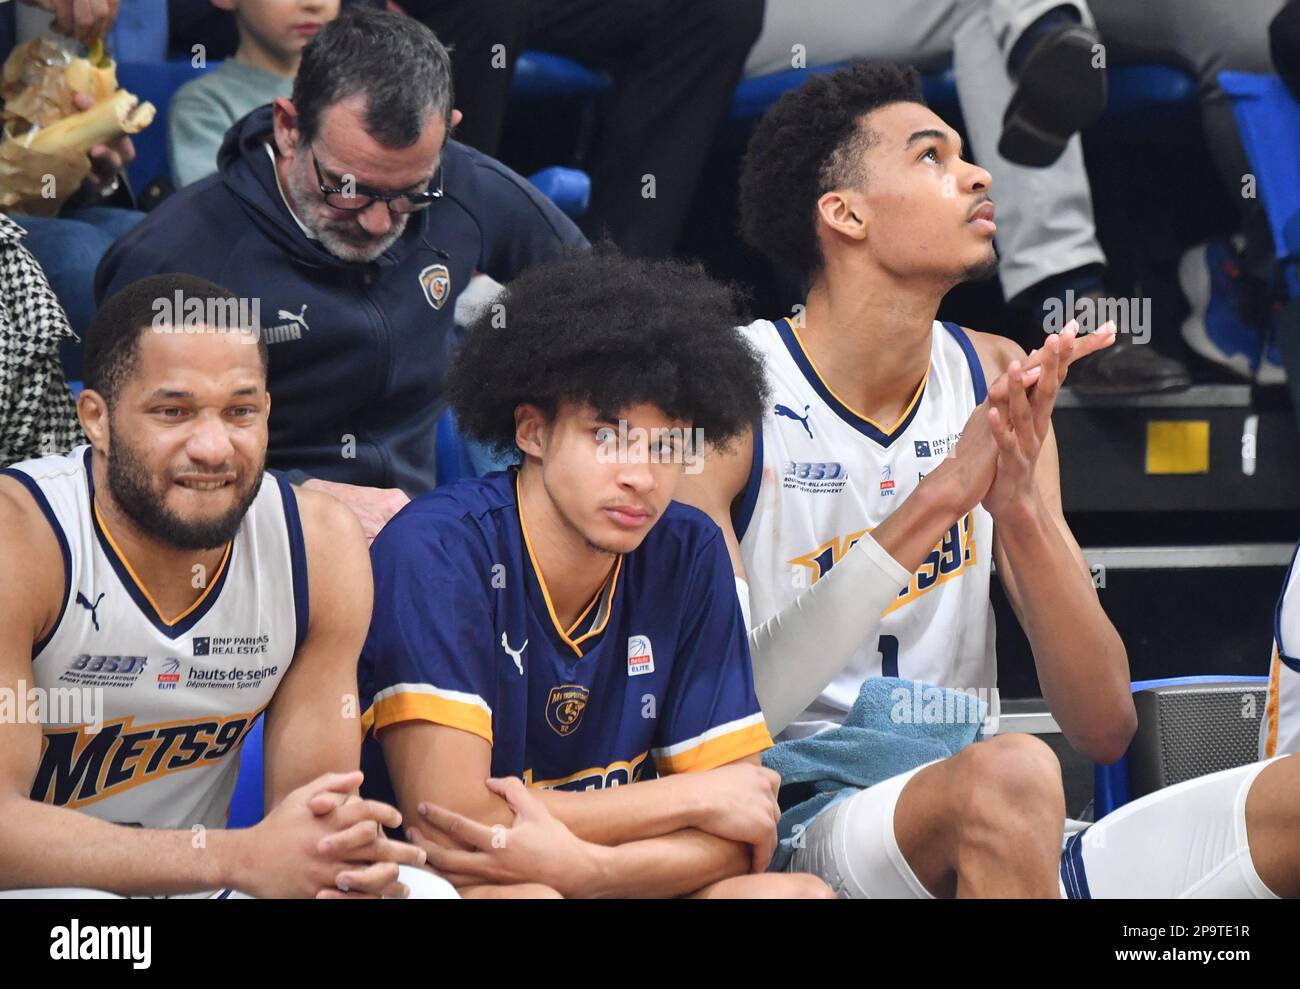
{"x": 531, "y": 430}
{"x": 286, "y": 127}
{"x": 92, "y": 411}
{"x": 844, "y": 212}
{"x": 228, "y": 5}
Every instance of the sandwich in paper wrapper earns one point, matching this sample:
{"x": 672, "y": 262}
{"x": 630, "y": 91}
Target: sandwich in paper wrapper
{"x": 44, "y": 155}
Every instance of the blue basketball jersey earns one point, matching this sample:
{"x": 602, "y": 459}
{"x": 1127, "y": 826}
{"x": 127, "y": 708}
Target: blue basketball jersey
{"x": 654, "y": 678}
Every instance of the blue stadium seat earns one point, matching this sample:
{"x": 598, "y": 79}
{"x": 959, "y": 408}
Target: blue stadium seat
{"x": 1187, "y": 727}
{"x": 246, "y": 803}
{"x": 541, "y": 75}
{"x": 139, "y": 34}
{"x": 568, "y": 188}
{"x": 1136, "y": 91}
{"x": 1268, "y": 118}
{"x": 155, "y": 82}
{"x": 451, "y": 459}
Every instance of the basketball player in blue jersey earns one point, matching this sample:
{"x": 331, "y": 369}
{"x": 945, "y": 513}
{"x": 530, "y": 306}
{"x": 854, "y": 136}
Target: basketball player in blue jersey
{"x": 557, "y": 671}
{"x": 863, "y": 514}
{"x": 166, "y": 592}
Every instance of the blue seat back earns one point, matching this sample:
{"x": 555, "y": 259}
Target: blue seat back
{"x": 451, "y": 459}
{"x": 155, "y": 82}
{"x": 541, "y": 75}
{"x": 247, "y": 802}
{"x": 1137, "y": 92}
{"x": 568, "y": 188}
{"x": 1268, "y": 118}
{"x": 1113, "y": 784}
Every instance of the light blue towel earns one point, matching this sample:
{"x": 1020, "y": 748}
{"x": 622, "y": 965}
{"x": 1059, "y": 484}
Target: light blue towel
{"x": 894, "y": 726}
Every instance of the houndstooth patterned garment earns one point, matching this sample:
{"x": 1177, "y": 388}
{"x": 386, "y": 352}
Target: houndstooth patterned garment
{"x": 37, "y": 414}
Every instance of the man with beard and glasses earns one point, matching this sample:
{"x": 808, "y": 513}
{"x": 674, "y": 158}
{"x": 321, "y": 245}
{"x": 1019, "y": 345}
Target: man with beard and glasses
{"x": 355, "y": 223}
{"x": 160, "y": 592}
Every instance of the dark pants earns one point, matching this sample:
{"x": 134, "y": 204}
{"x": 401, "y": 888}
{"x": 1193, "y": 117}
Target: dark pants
{"x": 674, "y": 66}
{"x": 1207, "y": 37}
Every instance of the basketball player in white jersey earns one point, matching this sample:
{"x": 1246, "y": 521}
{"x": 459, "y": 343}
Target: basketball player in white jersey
{"x": 159, "y": 592}
{"x": 1279, "y": 730}
{"x": 885, "y": 477}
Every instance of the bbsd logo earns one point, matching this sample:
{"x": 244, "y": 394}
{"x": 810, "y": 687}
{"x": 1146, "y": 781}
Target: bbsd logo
{"x": 564, "y": 707}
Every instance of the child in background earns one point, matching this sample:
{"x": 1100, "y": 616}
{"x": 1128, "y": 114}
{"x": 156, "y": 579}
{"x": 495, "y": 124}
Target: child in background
{"x": 272, "y": 35}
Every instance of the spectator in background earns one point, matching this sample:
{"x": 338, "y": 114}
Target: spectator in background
{"x": 353, "y": 224}
{"x": 1047, "y": 237}
{"x": 674, "y": 65}
{"x": 272, "y": 34}
{"x": 70, "y": 246}
{"x": 37, "y": 416}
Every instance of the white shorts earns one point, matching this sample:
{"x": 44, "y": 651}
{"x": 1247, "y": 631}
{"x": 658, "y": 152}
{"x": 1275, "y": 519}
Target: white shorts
{"x": 422, "y": 883}
{"x": 1187, "y": 840}
{"x": 851, "y": 845}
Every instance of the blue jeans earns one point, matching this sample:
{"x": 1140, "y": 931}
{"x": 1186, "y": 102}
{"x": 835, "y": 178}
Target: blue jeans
{"x": 69, "y": 249}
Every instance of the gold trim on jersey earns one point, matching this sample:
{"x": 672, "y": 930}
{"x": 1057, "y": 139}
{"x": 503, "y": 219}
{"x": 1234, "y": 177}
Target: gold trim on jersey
{"x": 126, "y": 565}
{"x": 750, "y": 738}
{"x": 916, "y": 396}
{"x": 630, "y": 766}
{"x": 931, "y": 571}
{"x": 422, "y": 702}
{"x": 605, "y": 595}
{"x": 1272, "y": 710}
{"x": 97, "y": 751}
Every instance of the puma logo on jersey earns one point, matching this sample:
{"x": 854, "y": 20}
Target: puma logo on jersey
{"x": 788, "y": 413}
{"x": 291, "y": 327}
{"x": 79, "y": 766}
{"x": 82, "y": 600}
{"x": 300, "y": 319}
{"x": 516, "y": 654}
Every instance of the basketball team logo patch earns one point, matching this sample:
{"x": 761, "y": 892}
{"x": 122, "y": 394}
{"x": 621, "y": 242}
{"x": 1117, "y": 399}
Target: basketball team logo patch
{"x": 436, "y": 282}
{"x": 564, "y": 707}
{"x": 640, "y": 657}
{"x": 170, "y": 675}
{"x": 887, "y": 482}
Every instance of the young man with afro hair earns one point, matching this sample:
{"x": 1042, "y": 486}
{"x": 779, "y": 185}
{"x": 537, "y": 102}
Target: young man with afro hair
{"x": 557, "y": 676}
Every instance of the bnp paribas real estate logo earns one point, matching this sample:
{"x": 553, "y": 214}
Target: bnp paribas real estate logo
{"x": 202, "y": 645}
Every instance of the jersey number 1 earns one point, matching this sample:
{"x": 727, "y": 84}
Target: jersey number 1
{"x": 887, "y": 646}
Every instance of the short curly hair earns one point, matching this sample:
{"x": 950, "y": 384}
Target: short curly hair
{"x": 613, "y": 332}
{"x": 808, "y": 143}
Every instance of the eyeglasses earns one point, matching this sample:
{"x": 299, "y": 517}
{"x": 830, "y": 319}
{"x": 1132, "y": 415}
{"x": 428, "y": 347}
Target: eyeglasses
{"x": 354, "y": 200}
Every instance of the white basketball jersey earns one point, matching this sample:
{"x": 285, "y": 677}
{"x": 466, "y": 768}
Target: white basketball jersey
{"x": 1279, "y": 731}
{"x": 823, "y": 475}
{"x": 174, "y": 697}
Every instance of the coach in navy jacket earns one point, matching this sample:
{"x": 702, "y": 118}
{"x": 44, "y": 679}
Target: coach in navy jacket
{"x": 358, "y": 347}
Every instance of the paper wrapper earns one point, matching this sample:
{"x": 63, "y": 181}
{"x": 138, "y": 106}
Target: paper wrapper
{"x": 28, "y": 177}
{"x": 46, "y": 140}
{"x": 40, "y": 77}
